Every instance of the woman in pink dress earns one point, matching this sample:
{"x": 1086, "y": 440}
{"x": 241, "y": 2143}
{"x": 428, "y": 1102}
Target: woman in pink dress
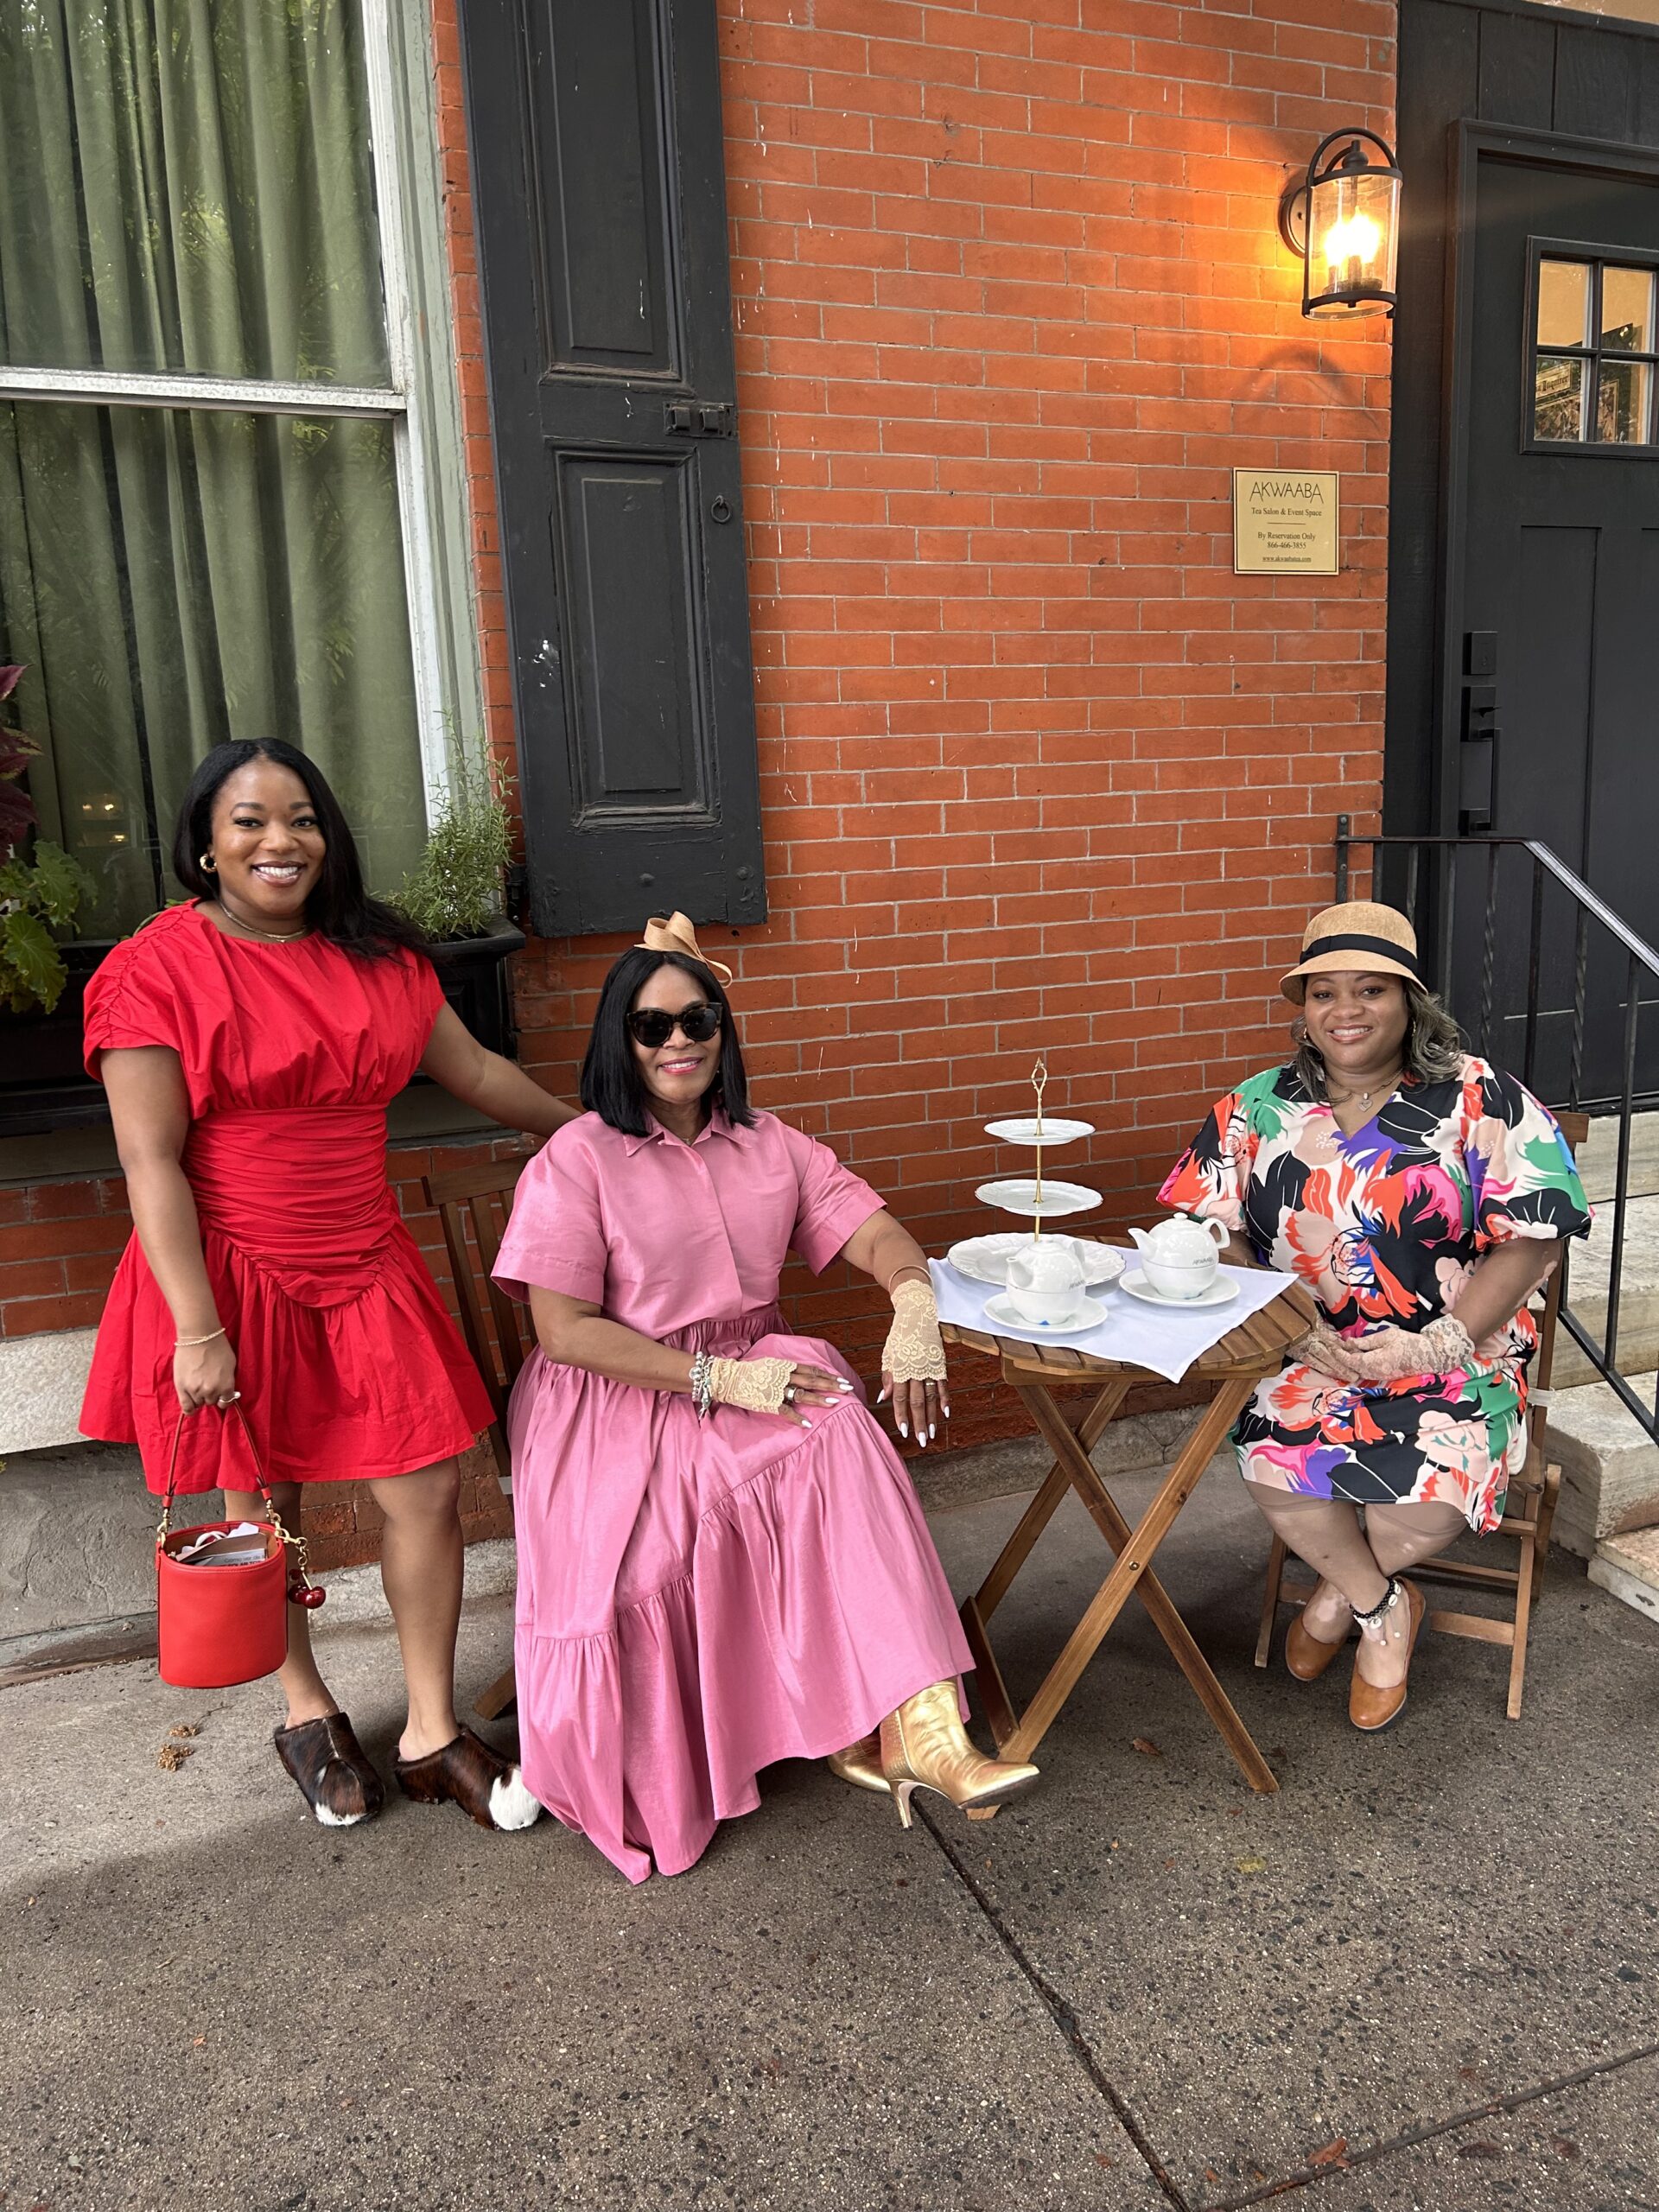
{"x": 722, "y": 1561}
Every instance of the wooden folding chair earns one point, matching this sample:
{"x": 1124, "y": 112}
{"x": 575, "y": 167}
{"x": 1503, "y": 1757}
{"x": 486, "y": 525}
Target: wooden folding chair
{"x": 496, "y": 1327}
{"x": 1529, "y": 1515}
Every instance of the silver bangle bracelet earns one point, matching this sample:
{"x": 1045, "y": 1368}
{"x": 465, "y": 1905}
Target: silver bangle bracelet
{"x": 703, "y": 1380}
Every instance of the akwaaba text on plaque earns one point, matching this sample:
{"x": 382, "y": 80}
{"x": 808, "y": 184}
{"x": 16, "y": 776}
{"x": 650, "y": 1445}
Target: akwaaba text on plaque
{"x": 1285, "y": 522}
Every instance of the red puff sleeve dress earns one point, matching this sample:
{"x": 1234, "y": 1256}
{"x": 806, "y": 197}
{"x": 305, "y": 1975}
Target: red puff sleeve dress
{"x": 347, "y": 1361}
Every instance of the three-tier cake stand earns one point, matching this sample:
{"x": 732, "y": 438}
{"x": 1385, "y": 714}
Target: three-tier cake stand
{"x": 1035, "y": 1198}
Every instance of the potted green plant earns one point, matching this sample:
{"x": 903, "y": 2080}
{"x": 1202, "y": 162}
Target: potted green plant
{"x": 40, "y": 890}
{"x": 457, "y": 893}
{"x": 43, "y": 1085}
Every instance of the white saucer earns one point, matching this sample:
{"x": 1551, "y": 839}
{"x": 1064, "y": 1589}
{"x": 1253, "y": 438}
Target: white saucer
{"x": 1027, "y": 1129}
{"x": 1087, "y": 1313}
{"x": 1219, "y": 1294}
{"x": 985, "y": 1259}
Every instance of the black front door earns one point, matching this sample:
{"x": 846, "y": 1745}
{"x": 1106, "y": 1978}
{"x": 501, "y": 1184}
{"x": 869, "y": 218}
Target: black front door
{"x": 1551, "y": 679}
{"x": 600, "y": 191}
{"x": 1522, "y": 548}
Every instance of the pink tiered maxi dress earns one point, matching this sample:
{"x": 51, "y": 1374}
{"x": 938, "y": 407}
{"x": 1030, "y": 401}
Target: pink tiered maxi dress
{"x": 697, "y": 1599}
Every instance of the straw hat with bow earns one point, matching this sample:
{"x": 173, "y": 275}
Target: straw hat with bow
{"x": 1358, "y": 934}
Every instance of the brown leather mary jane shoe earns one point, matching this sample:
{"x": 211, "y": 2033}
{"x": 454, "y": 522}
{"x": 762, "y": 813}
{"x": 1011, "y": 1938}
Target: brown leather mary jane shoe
{"x": 467, "y": 1773}
{"x": 1369, "y": 1708}
{"x": 861, "y": 1764}
{"x": 1308, "y": 1655}
{"x": 332, "y": 1769}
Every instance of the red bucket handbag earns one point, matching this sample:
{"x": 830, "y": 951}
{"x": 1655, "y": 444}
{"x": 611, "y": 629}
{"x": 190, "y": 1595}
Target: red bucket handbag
{"x": 217, "y": 1625}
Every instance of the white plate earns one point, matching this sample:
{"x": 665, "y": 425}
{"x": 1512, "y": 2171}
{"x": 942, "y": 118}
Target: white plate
{"x": 985, "y": 1259}
{"x": 1018, "y": 1195}
{"x": 1028, "y": 1131}
{"x": 1088, "y": 1314}
{"x": 1217, "y": 1294}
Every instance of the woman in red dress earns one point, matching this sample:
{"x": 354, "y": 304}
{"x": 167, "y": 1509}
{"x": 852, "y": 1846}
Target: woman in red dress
{"x": 250, "y": 1041}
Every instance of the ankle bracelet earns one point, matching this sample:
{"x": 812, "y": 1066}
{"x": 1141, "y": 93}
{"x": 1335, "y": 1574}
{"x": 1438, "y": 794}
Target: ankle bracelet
{"x": 1384, "y": 1605}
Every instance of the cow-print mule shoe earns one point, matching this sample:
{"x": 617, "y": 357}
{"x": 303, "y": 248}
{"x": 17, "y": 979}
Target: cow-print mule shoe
{"x": 332, "y": 1769}
{"x": 474, "y": 1778}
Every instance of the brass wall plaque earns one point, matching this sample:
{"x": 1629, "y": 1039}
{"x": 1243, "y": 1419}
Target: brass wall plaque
{"x": 1285, "y": 522}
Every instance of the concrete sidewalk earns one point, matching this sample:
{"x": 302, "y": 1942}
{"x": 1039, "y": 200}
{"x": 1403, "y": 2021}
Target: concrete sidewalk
{"x": 1140, "y": 1987}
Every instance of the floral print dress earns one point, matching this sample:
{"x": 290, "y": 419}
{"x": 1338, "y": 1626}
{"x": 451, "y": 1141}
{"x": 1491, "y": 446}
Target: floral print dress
{"x": 1386, "y": 1226}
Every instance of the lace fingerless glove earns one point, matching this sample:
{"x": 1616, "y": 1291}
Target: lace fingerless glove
{"x": 914, "y": 1351}
{"x": 757, "y": 1385}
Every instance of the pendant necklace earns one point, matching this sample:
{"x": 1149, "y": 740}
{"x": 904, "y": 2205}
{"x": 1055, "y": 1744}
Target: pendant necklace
{"x": 273, "y": 937}
{"x": 1365, "y": 1098}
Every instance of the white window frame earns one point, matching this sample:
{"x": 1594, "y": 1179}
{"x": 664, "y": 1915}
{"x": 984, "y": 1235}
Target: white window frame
{"x": 447, "y": 698}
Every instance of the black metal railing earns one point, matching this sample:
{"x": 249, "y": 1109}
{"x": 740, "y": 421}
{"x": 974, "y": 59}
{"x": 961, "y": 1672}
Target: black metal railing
{"x": 1524, "y": 953}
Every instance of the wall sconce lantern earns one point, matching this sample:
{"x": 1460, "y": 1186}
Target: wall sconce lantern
{"x": 1343, "y": 218}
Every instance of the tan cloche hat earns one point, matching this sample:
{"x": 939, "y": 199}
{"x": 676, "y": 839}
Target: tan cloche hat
{"x": 1359, "y": 934}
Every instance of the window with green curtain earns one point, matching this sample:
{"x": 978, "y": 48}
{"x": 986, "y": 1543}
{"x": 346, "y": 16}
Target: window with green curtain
{"x": 187, "y": 190}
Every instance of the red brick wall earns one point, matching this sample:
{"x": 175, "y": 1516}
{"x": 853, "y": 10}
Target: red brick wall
{"x": 1039, "y": 772}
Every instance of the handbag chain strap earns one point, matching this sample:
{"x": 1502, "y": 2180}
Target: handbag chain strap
{"x": 300, "y": 1590}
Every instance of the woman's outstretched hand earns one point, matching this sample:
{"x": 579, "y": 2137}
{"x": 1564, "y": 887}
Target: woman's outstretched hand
{"x": 204, "y": 1375}
{"x": 913, "y": 1364}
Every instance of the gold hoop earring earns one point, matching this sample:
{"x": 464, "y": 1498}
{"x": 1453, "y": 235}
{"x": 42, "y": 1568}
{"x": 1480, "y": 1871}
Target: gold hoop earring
{"x": 1298, "y": 1031}
{"x": 207, "y": 864}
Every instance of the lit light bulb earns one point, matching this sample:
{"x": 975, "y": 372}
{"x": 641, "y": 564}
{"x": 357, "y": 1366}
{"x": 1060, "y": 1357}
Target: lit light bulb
{"x": 1352, "y": 238}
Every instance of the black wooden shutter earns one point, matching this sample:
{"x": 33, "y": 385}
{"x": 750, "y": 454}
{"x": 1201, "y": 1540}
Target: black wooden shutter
{"x": 600, "y": 193}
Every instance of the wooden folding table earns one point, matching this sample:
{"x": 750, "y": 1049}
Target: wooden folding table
{"x": 1233, "y": 1367}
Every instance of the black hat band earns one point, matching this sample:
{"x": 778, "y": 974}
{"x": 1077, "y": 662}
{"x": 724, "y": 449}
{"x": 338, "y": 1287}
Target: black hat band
{"x": 1346, "y": 943}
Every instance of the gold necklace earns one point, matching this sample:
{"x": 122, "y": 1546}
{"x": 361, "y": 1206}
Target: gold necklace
{"x": 1365, "y": 1098}
{"x": 273, "y": 937}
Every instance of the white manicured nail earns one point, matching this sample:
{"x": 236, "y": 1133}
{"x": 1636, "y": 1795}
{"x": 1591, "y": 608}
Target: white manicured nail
{"x": 903, "y": 1431}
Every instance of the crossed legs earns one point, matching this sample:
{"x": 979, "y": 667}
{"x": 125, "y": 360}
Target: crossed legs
{"x": 1354, "y": 1564}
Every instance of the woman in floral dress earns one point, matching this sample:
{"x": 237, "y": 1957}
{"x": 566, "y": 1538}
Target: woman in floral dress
{"x": 1422, "y": 1195}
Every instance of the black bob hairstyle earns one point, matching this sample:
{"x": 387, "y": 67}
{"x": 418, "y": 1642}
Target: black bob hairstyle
{"x": 339, "y": 907}
{"x": 611, "y": 1084}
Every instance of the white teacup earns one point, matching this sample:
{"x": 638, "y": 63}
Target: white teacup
{"x": 1183, "y": 1279}
{"x": 1044, "y": 1281}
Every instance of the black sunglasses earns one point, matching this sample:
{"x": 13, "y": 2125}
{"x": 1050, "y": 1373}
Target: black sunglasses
{"x": 650, "y": 1026}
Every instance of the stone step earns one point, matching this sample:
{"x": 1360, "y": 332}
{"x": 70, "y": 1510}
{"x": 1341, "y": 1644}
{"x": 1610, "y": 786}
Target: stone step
{"x": 1629, "y": 1567}
{"x": 1610, "y": 1466}
{"x": 1638, "y": 1348}
{"x": 1599, "y": 1159}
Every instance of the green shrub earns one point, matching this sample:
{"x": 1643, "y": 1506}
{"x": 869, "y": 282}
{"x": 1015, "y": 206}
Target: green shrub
{"x": 37, "y": 894}
{"x": 459, "y": 887}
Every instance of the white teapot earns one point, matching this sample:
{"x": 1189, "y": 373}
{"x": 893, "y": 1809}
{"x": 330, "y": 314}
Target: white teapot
{"x": 1179, "y": 1257}
{"x": 1045, "y": 1282}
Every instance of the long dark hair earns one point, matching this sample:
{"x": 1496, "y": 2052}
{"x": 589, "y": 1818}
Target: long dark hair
{"x": 339, "y": 907}
{"x": 611, "y": 1084}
